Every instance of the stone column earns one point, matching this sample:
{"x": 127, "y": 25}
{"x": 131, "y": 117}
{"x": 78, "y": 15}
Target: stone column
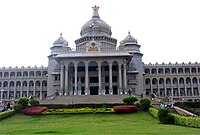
{"x": 110, "y": 78}
{"x": 75, "y": 79}
{"x": 21, "y": 89}
{"x": 125, "y": 78}
{"x": 99, "y": 74}
{"x": 62, "y": 79}
{"x": 185, "y": 87}
{"x": 34, "y": 88}
{"x": 86, "y": 78}
{"x": 158, "y": 87}
{"x": 27, "y": 89}
{"x": 120, "y": 78}
{"x": 66, "y": 86}
{"x": 192, "y": 87}
{"x": 179, "y": 90}
{"x": 151, "y": 86}
{"x": 165, "y": 87}
{"x": 15, "y": 90}
{"x": 41, "y": 90}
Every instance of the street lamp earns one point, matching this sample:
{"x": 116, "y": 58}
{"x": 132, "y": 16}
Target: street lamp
{"x": 2, "y": 90}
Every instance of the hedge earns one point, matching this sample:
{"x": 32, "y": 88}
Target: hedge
{"x": 77, "y": 111}
{"x": 186, "y": 121}
{"x": 6, "y": 114}
{"x": 125, "y": 109}
{"x": 60, "y": 106}
{"x": 153, "y": 112}
{"x": 34, "y": 110}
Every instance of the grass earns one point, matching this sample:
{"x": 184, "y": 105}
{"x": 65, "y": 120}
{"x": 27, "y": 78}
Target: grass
{"x": 90, "y": 124}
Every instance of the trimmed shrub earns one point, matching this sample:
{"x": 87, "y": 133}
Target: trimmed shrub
{"x": 23, "y": 101}
{"x": 18, "y": 108}
{"x": 6, "y": 114}
{"x": 186, "y": 121}
{"x": 125, "y": 109}
{"x": 130, "y": 100}
{"x": 145, "y": 103}
{"x": 60, "y": 106}
{"x": 154, "y": 112}
{"x": 78, "y": 111}
{"x": 164, "y": 116}
{"x": 34, "y": 110}
{"x": 34, "y": 102}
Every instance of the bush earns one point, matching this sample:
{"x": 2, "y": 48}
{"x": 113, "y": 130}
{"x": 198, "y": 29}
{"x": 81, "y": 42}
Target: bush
{"x": 125, "y": 109}
{"x": 186, "y": 121}
{"x": 23, "y": 101}
{"x": 6, "y": 114}
{"x": 130, "y": 100}
{"x": 154, "y": 112}
{"x": 145, "y": 103}
{"x": 164, "y": 117}
{"x": 34, "y": 110}
{"x": 18, "y": 108}
{"x": 34, "y": 102}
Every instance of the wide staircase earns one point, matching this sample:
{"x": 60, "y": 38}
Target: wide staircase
{"x": 84, "y": 99}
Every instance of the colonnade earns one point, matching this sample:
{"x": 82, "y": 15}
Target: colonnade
{"x": 64, "y": 77}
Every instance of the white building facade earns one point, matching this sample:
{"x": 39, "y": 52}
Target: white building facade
{"x": 98, "y": 67}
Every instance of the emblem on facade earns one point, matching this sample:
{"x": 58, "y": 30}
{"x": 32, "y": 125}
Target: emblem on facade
{"x": 93, "y": 47}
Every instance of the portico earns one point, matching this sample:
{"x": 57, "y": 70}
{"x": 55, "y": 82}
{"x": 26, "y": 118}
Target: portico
{"x": 92, "y": 75}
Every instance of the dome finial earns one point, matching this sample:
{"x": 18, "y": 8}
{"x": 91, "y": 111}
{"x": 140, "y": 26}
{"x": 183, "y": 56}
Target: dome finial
{"x": 129, "y": 32}
{"x": 61, "y": 34}
{"x": 95, "y": 11}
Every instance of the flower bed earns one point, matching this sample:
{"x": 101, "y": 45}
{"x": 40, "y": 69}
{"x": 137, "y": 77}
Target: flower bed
{"x": 125, "y": 109}
{"x": 78, "y": 111}
{"x": 34, "y": 110}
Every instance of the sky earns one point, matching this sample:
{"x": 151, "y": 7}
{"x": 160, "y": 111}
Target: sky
{"x": 167, "y": 30}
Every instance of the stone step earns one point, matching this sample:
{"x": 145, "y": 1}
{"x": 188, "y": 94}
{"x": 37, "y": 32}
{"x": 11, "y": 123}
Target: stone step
{"x": 84, "y": 99}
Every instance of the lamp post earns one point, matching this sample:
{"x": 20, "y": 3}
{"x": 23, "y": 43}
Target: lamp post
{"x": 2, "y": 90}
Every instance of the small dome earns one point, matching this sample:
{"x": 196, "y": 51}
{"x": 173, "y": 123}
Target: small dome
{"x": 60, "y": 40}
{"x": 130, "y": 39}
{"x": 96, "y": 24}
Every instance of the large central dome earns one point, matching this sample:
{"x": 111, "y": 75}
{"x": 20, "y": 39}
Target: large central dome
{"x": 95, "y": 26}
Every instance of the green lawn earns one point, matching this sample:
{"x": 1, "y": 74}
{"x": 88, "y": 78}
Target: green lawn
{"x": 91, "y": 124}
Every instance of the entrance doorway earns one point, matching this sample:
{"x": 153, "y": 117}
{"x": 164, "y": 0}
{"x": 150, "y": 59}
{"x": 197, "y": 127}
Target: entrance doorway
{"x": 94, "y": 90}
{"x": 115, "y": 92}
{"x": 107, "y": 90}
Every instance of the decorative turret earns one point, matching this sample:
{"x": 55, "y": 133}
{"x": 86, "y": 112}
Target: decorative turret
{"x": 129, "y": 44}
{"x": 60, "y": 45}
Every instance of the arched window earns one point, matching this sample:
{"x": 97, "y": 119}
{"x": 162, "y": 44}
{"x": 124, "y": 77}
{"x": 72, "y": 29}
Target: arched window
{"x": 32, "y": 73}
{"x": 154, "y": 71}
{"x": 19, "y": 74}
{"x": 174, "y": 71}
{"x": 147, "y": 81}
{"x": 154, "y": 81}
{"x": 38, "y": 73}
{"x": 180, "y": 70}
{"x": 25, "y": 73}
{"x": 167, "y": 71}
{"x": 24, "y": 83}
{"x": 37, "y": 84}
{"x": 31, "y": 84}
{"x": 12, "y": 74}
{"x": 160, "y": 71}
{"x": 147, "y": 71}
{"x": 12, "y": 84}
{"x": 5, "y": 84}
{"x": 18, "y": 84}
